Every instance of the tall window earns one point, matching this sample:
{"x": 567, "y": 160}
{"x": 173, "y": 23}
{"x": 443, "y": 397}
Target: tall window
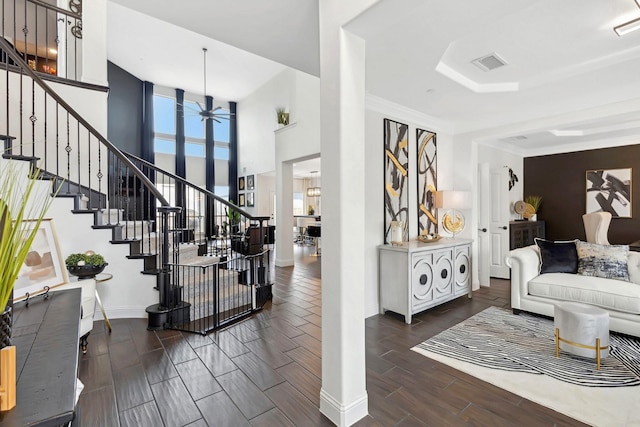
{"x": 164, "y": 139}
{"x": 298, "y": 204}
{"x": 164, "y": 124}
{"x": 221, "y": 137}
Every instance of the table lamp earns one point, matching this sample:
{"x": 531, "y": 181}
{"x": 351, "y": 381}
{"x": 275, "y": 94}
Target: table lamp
{"x": 453, "y": 221}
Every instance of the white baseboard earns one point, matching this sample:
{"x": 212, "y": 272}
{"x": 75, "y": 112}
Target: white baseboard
{"x": 343, "y": 415}
{"x": 284, "y": 262}
{"x": 121, "y": 313}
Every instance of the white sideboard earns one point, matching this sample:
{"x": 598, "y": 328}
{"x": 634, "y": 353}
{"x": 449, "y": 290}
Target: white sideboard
{"x": 416, "y": 276}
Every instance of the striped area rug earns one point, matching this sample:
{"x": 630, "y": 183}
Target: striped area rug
{"x": 498, "y": 339}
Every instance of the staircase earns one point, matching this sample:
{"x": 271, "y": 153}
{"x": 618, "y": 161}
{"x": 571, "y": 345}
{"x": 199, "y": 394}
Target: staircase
{"x": 192, "y": 258}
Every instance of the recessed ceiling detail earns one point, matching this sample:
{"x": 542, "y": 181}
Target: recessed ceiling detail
{"x": 473, "y": 85}
{"x": 489, "y": 62}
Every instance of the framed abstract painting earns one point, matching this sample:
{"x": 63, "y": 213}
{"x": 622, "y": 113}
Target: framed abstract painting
{"x": 44, "y": 265}
{"x": 396, "y": 183}
{"x": 427, "y": 169}
{"x": 609, "y": 190}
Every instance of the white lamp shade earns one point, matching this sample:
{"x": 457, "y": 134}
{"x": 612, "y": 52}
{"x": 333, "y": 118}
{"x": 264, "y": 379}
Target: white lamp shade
{"x": 453, "y": 199}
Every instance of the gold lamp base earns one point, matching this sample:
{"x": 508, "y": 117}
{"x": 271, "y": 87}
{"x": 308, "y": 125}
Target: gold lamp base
{"x": 453, "y": 222}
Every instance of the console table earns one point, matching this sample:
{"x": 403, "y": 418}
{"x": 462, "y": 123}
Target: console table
{"x": 522, "y": 233}
{"x": 417, "y": 276}
{"x": 45, "y": 334}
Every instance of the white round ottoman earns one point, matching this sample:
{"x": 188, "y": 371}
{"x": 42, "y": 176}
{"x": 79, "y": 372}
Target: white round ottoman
{"x": 582, "y": 330}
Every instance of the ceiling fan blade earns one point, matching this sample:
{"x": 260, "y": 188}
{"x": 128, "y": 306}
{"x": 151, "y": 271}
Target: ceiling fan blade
{"x": 217, "y": 108}
{"x": 201, "y": 108}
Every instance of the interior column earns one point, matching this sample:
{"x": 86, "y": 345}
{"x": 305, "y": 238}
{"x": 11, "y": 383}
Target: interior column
{"x": 343, "y": 397}
{"x": 284, "y": 213}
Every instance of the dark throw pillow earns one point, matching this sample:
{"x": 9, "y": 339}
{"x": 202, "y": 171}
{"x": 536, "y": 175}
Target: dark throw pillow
{"x": 608, "y": 261}
{"x": 557, "y": 257}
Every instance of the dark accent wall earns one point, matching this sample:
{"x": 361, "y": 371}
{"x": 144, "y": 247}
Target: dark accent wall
{"x": 125, "y": 107}
{"x": 561, "y": 181}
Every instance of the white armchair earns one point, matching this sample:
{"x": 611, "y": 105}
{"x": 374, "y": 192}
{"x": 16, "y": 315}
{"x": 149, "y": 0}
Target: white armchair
{"x": 88, "y": 292}
{"x": 596, "y": 227}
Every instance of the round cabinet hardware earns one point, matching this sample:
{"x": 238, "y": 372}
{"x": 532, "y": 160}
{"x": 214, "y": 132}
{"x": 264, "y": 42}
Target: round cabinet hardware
{"x": 504, "y": 227}
{"x": 423, "y": 279}
{"x": 463, "y": 268}
{"x": 443, "y": 273}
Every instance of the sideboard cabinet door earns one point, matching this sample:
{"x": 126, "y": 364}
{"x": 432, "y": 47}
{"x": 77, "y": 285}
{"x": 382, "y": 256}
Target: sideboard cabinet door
{"x": 417, "y": 276}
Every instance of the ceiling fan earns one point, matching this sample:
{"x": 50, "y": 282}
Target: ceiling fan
{"x": 210, "y": 113}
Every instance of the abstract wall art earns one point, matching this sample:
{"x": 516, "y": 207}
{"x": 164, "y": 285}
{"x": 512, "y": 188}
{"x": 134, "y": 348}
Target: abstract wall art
{"x": 609, "y": 190}
{"x": 427, "y": 167}
{"x": 396, "y": 170}
{"x": 44, "y": 265}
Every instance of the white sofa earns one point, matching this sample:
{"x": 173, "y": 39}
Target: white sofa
{"x": 536, "y": 293}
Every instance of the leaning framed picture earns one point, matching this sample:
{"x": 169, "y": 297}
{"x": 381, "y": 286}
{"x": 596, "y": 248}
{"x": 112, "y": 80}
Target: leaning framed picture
{"x": 609, "y": 190}
{"x": 44, "y": 265}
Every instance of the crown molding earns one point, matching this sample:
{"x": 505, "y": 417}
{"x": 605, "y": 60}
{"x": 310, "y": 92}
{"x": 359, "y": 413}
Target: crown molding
{"x": 386, "y": 107}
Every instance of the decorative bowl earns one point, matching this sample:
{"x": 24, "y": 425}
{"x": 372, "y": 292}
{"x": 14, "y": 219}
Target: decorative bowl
{"x": 424, "y": 239}
{"x": 85, "y": 271}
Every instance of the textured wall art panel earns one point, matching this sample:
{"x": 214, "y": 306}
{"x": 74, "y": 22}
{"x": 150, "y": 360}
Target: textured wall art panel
{"x": 396, "y": 169}
{"x": 427, "y": 167}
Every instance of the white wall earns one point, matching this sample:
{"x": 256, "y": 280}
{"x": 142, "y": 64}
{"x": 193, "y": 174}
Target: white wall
{"x": 374, "y": 178}
{"x": 257, "y": 121}
{"x": 258, "y": 132}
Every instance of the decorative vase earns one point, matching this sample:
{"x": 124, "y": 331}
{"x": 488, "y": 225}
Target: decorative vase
{"x": 6, "y": 323}
{"x": 7, "y": 362}
{"x": 533, "y": 217}
{"x": 85, "y": 271}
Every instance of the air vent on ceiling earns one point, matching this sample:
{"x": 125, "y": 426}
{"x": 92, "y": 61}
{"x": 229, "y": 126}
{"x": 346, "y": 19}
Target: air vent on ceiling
{"x": 514, "y": 138}
{"x": 489, "y": 62}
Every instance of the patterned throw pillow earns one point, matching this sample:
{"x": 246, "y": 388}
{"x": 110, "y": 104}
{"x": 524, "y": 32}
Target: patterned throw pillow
{"x": 608, "y": 261}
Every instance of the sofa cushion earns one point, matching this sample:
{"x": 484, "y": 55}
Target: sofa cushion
{"x": 633, "y": 264}
{"x": 557, "y": 257}
{"x": 606, "y": 293}
{"x": 607, "y": 261}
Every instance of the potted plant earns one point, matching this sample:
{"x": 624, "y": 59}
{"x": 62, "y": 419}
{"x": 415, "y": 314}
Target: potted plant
{"x": 85, "y": 265}
{"x": 19, "y": 202}
{"x": 535, "y": 202}
{"x": 232, "y": 222}
{"x": 282, "y": 116}
{"x": 310, "y": 210}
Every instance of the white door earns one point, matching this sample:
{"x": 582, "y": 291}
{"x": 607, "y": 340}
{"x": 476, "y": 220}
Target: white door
{"x": 499, "y": 222}
{"x": 483, "y": 224}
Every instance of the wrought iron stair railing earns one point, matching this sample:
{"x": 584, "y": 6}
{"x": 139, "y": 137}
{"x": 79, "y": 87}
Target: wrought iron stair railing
{"x": 230, "y": 277}
{"x": 131, "y": 197}
{"x": 47, "y": 37}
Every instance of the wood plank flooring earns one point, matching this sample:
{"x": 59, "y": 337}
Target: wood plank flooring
{"x": 266, "y": 370}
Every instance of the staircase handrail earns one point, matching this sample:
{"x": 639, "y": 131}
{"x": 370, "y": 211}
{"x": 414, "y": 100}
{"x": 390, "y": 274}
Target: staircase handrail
{"x": 56, "y": 8}
{"x": 202, "y": 190}
{"x": 8, "y": 49}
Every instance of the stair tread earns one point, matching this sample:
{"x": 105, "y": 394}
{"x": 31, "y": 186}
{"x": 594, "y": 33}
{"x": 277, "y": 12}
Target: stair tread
{"x": 7, "y": 137}
{"x": 19, "y": 157}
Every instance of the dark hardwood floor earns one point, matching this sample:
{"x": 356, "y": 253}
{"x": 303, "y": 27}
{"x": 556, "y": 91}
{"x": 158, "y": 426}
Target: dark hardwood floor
{"x": 266, "y": 370}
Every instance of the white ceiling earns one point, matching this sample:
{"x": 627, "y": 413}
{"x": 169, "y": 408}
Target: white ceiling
{"x": 562, "y": 57}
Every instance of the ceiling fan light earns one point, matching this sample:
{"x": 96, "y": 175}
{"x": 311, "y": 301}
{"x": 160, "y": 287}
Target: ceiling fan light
{"x": 627, "y": 27}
